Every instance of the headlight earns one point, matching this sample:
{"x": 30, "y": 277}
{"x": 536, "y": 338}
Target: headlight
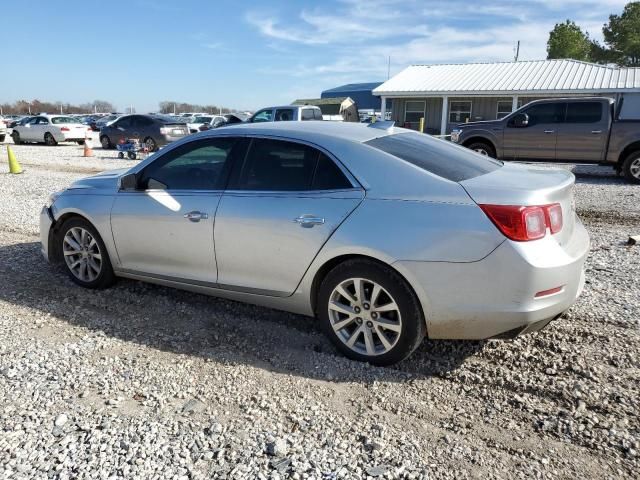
{"x": 52, "y": 198}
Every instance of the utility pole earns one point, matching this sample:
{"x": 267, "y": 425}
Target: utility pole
{"x": 517, "y": 50}
{"x": 389, "y": 67}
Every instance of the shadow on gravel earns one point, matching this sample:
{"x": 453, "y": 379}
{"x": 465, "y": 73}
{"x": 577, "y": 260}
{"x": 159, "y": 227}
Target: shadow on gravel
{"x": 596, "y": 174}
{"x": 216, "y": 329}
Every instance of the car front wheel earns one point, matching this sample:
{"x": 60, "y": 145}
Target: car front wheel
{"x": 85, "y": 255}
{"x": 16, "y": 137}
{"x": 370, "y": 313}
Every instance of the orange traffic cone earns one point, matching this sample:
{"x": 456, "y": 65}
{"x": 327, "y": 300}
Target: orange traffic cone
{"x": 88, "y": 152}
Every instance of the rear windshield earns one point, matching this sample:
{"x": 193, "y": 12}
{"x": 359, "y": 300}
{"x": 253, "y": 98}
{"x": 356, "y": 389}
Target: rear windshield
{"x": 56, "y": 120}
{"x": 441, "y": 158}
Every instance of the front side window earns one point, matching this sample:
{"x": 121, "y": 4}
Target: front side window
{"x": 459, "y": 112}
{"x": 544, "y": 113}
{"x": 584, "y": 112}
{"x": 285, "y": 114}
{"x": 413, "y": 112}
{"x": 198, "y": 165}
{"x": 276, "y": 165}
{"x": 263, "y": 116}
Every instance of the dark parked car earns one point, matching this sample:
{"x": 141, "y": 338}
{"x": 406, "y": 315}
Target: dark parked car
{"x": 584, "y": 129}
{"x": 221, "y": 121}
{"x": 154, "y": 131}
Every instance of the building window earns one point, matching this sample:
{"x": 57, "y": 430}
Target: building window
{"x": 504, "y": 108}
{"x": 459, "y": 112}
{"x": 413, "y": 112}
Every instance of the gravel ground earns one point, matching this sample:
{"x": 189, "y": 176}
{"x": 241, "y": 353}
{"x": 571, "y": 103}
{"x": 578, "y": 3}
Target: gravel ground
{"x": 141, "y": 381}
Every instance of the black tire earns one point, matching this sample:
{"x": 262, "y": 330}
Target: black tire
{"x": 80, "y": 142}
{"x": 413, "y": 328}
{"x": 151, "y": 144}
{"x": 16, "y": 138}
{"x": 106, "y": 142}
{"x": 631, "y": 167}
{"x": 120, "y": 154}
{"x": 131, "y": 155}
{"x": 483, "y": 148}
{"x": 2, "y": 137}
{"x": 106, "y": 277}
{"x": 49, "y": 140}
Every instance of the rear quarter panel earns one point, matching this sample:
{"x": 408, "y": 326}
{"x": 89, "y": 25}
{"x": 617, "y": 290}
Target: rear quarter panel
{"x": 623, "y": 134}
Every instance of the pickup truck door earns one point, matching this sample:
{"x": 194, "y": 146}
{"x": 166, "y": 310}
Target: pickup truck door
{"x": 536, "y": 141}
{"x": 583, "y": 135}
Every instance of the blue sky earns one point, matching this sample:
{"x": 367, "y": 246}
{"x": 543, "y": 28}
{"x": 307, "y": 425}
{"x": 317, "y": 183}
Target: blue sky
{"x": 248, "y": 54}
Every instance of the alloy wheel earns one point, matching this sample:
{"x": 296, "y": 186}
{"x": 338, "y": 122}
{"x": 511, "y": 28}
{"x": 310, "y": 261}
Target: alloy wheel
{"x": 634, "y": 168}
{"x": 82, "y": 254}
{"x": 49, "y": 140}
{"x": 364, "y": 316}
{"x": 481, "y": 151}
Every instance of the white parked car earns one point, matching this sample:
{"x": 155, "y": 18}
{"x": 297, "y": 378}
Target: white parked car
{"x": 51, "y": 129}
{"x": 3, "y": 128}
{"x": 194, "y": 123}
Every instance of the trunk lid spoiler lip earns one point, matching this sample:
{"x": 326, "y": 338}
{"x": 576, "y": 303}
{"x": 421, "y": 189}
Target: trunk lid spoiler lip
{"x": 520, "y": 185}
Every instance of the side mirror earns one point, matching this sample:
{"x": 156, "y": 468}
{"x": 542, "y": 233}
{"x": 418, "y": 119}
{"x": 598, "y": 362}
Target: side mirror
{"x": 129, "y": 182}
{"x": 521, "y": 120}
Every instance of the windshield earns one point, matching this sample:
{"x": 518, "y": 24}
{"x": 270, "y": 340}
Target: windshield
{"x": 439, "y": 157}
{"x": 56, "y": 120}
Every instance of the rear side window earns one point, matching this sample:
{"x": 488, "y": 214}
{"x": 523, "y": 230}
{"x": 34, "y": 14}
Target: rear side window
{"x": 317, "y": 114}
{"x": 435, "y": 156}
{"x": 307, "y": 114}
{"x": 285, "y": 115}
{"x": 276, "y": 165}
{"x": 584, "y": 112}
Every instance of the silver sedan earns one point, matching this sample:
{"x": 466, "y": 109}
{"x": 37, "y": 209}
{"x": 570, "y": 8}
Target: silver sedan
{"x": 384, "y": 234}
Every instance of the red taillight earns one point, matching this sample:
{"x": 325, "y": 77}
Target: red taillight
{"x": 64, "y": 129}
{"x": 551, "y": 291}
{"x": 523, "y": 224}
{"x": 554, "y": 217}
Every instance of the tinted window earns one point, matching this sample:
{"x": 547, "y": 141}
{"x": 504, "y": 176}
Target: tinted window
{"x": 546, "y": 113}
{"x": 56, "y": 120}
{"x": 307, "y": 114}
{"x": 276, "y": 165}
{"x": 584, "y": 112}
{"x": 438, "y": 157}
{"x": 123, "y": 123}
{"x": 285, "y": 115}
{"x": 328, "y": 176}
{"x": 317, "y": 114}
{"x": 41, "y": 121}
{"x": 263, "y": 116}
{"x": 143, "y": 121}
{"x": 194, "y": 166}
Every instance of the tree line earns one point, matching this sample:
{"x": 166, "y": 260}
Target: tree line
{"x": 170, "y": 106}
{"x": 621, "y": 40}
{"x": 24, "y": 107}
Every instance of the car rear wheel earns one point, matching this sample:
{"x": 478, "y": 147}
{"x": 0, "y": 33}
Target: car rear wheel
{"x": 370, "y": 313}
{"x": 150, "y": 143}
{"x": 16, "y": 138}
{"x": 482, "y": 148}
{"x": 105, "y": 142}
{"x": 49, "y": 140}
{"x": 85, "y": 256}
{"x": 80, "y": 142}
{"x": 631, "y": 167}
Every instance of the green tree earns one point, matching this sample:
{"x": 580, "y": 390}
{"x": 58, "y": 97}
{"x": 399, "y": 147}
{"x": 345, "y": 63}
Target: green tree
{"x": 567, "y": 40}
{"x": 622, "y": 35}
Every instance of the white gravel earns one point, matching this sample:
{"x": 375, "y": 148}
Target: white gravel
{"x": 142, "y": 382}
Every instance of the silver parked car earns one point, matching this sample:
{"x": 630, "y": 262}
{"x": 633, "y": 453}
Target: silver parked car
{"x": 386, "y": 235}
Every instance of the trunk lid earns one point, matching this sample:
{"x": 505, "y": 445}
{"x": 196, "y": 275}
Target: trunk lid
{"x": 526, "y": 185}
{"x": 175, "y": 129}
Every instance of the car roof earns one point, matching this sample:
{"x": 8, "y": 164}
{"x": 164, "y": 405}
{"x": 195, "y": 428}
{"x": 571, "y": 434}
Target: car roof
{"x": 354, "y": 132}
{"x": 288, "y": 106}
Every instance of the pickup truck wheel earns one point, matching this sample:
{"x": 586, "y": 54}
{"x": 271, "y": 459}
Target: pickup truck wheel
{"x": 631, "y": 167}
{"x": 483, "y": 149}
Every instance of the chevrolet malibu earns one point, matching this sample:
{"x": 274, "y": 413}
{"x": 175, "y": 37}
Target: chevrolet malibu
{"x": 384, "y": 234}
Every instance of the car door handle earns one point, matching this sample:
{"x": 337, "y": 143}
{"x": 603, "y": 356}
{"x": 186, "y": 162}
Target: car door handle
{"x": 196, "y": 216}
{"x": 308, "y": 221}
{"x": 549, "y": 131}
{"x": 595, "y": 132}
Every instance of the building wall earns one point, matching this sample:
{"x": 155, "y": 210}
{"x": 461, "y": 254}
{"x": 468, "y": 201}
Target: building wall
{"x": 482, "y": 108}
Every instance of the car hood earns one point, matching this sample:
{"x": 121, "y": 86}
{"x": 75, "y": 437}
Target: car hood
{"x": 106, "y": 181}
{"x": 480, "y": 124}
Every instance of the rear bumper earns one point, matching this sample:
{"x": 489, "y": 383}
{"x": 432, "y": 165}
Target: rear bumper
{"x": 495, "y": 297}
{"x": 46, "y": 221}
